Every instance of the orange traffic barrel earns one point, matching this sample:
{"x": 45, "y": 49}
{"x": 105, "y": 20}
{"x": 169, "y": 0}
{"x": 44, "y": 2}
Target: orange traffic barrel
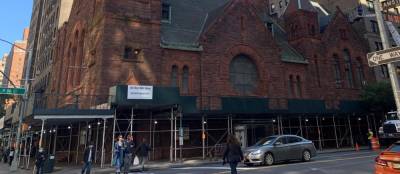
{"x": 375, "y": 144}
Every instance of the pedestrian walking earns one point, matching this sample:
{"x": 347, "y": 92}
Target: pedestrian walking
{"x": 40, "y": 159}
{"x": 5, "y": 155}
{"x": 88, "y": 158}
{"x": 129, "y": 153}
{"x": 143, "y": 153}
{"x": 370, "y": 135}
{"x": 118, "y": 160}
{"x": 233, "y": 153}
{"x": 11, "y": 156}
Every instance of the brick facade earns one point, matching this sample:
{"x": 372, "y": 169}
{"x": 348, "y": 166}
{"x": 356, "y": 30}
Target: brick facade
{"x": 99, "y": 32}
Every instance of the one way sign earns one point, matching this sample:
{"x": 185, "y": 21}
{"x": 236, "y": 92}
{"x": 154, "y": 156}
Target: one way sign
{"x": 384, "y": 56}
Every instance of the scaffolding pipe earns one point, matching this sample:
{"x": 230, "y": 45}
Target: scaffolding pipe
{"x": 319, "y": 134}
{"x": 77, "y": 143}
{"x": 55, "y": 141}
{"x": 131, "y": 132}
{"x": 172, "y": 136}
{"x": 301, "y": 127}
{"x": 175, "y": 138}
{"x": 102, "y": 143}
{"x": 203, "y": 137}
{"x": 351, "y": 132}
{"x": 97, "y": 142}
{"x": 180, "y": 136}
{"x": 69, "y": 143}
{"x": 113, "y": 134}
{"x": 334, "y": 127}
{"x": 41, "y": 134}
{"x": 30, "y": 150}
{"x": 368, "y": 124}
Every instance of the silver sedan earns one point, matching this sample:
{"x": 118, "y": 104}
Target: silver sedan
{"x": 272, "y": 149}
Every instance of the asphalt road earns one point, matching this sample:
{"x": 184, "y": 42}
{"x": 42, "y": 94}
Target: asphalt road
{"x": 333, "y": 163}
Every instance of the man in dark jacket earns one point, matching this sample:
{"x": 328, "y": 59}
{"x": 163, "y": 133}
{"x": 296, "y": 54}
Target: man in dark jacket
{"x": 129, "y": 153}
{"x": 233, "y": 153}
{"x": 88, "y": 158}
{"x": 143, "y": 152}
{"x": 40, "y": 159}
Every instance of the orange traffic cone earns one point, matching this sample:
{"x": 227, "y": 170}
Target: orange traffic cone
{"x": 357, "y": 147}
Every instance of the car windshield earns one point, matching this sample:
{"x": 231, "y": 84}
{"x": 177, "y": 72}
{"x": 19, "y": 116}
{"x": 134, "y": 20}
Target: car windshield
{"x": 265, "y": 141}
{"x": 394, "y": 148}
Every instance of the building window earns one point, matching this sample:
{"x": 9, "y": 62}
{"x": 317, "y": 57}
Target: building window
{"x": 378, "y": 46}
{"x": 311, "y": 30}
{"x": 243, "y": 74}
{"x": 374, "y": 26}
{"x": 298, "y": 87}
{"x": 360, "y": 72}
{"x": 348, "y": 68}
{"x": 336, "y": 66}
{"x": 317, "y": 72}
{"x": 128, "y": 52}
{"x": 270, "y": 27}
{"x": 174, "y": 76}
{"x": 370, "y": 4}
{"x": 166, "y": 13}
{"x": 291, "y": 86}
{"x": 272, "y": 7}
{"x": 343, "y": 34}
{"x": 185, "y": 80}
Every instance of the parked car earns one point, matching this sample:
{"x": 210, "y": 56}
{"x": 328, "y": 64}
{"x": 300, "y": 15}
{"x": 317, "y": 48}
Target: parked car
{"x": 272, "y": 149}
{"x": 388, "y": 161}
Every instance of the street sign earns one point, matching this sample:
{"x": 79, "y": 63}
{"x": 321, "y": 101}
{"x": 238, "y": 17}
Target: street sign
{"x": 388, "y": 4}
{"x": 12, "y": 91}
{"x": 384, "y": 56}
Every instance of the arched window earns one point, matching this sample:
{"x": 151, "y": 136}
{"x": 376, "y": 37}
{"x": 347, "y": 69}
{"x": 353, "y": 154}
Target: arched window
{"x": 185, "y": 80}
{"x": 360, "y": 72}
{"x": 243, "y": 74}
{"x": 298, "y": 87}
{"x": 336, "y": 66}
{"x": 348, "y": 68}
{"x": 291, "y": 86}
{"x": 174, "y": 76}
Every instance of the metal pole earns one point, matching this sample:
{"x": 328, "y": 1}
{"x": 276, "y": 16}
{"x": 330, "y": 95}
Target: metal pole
{"x": 319, "y": 134}
{"x": 334, "y": 127}
{"x": 41, "y": 134}
{"x": 351, "y": 132}
{"x": 22, "y": 110}
{"x": 180, "y": 136}
{"x": 368, "y": 124}
{"x": 69, "y": 143}
{"x": 172, "y": 136}
{"x": 175, "y": 138}
{"x": 102, "y": 143}
{"x": 55, "y": 141}
{"x": 30, "y": 150}
{"x": 131, "y": 132}
{"x": 386, "y": 45}
{"x": 77, "y": 143}
{"x": 97, "y": 142}
{"x": 301, "y": 127}
{"x": 203, "y": 137}
{"x": 113, "y": 135}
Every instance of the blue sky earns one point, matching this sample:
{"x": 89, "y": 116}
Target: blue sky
{"x": 15, "y": 15}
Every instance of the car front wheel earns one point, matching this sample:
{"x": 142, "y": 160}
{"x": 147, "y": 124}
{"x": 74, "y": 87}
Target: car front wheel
{"x": 269, "y": 159}
{"x": 306, "y": 156}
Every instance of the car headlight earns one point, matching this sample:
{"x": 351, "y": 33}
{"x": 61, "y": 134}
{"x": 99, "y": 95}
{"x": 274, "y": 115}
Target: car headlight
{"x": 258, "y": 152}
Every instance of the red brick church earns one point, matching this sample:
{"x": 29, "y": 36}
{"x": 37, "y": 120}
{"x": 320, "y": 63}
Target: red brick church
{"x": 224, "y": 58}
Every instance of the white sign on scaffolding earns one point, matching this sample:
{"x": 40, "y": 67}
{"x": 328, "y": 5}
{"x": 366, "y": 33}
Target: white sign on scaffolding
{"x": 393, "y": 32}
{"x": 138, "y": 92}
{"x": 1, "y": 122}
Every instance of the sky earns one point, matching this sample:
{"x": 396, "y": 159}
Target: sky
{"x": 15, "y": 15}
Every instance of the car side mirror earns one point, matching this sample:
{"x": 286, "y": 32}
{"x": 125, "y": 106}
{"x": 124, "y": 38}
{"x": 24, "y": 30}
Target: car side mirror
{"x": 278, "y": 143}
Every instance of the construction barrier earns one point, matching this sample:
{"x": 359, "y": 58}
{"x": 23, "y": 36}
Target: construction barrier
{"x": 375, "y": 144}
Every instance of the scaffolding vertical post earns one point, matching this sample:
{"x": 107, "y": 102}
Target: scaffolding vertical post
{"x": 172, "y": 136}
{"x": 301, "y": 127}
{"x": 319, "y": 134}
{"x": 351, "y": 132}
{"x": 368, "y": 124}
{"x": 334, "y": 127}
{"x": 154, "y": 134}
{"x": 229, "y": 129}
{"x": 55, "y": 140}
{"x": 41, "y": 134}
{"x": 97, "y": 141}
{"x": 30, "y": 150}
{"x": 180, "y": 135}
{"x": 131, "y": 132}
{"x": 203, "y": 137}
{"x": 77, "y": 143}
{"x": 175, "y": 139}
{"x": 113, "y": 135}
{"x": 69, "y": 143}
{"x": 102, "y": 143}
{"x": 374, "y": 122}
